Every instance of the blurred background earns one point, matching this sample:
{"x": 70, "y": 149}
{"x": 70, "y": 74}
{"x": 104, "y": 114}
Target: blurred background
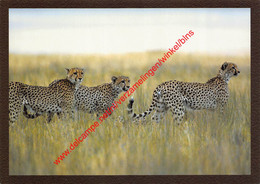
{"x": 107, "y": 42}
{"x": 113, "y": 31}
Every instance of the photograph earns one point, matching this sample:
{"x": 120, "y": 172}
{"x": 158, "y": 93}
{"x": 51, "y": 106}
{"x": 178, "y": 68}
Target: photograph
{"x": 129, "y": 91}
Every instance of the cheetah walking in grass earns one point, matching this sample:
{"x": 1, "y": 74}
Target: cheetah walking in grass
{"x": 58, "y": 98}
{"x": 99, "y": 98}
{"x": 179, "y": 96}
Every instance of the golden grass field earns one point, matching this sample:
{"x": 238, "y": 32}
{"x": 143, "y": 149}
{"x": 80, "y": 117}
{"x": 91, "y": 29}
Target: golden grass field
{"x": 207, "y": 143}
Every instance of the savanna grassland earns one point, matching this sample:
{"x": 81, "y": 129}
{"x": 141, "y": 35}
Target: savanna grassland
{"x": 206, "y": 143}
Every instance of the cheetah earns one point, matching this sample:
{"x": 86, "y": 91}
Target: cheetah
{"x": 178, "y": 97}
{"x": 99, "y": 98}
{"x": 58, "y": 98}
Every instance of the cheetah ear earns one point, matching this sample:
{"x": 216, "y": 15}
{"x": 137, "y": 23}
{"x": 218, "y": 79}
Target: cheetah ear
{"x": 224, "y": 66}
{"x": 67, "y": 70}
{"x": 113, "y": 79}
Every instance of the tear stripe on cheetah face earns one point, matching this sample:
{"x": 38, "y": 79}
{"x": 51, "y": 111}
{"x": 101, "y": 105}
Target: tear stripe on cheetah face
{"x": 179, "y": 96}
{"x": 58, "y": 98}
{"x": 75, "y": 75}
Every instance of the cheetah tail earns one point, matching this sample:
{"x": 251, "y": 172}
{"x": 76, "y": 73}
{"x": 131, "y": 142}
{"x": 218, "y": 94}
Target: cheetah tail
{"x": 138, "y": 116}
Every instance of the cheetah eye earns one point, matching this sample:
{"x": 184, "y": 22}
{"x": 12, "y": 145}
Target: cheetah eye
{"x": 75, "y": 73}
{"x": 81, "y": 73}
{"x": 123, "y": 82}
{"x": 233, "y": 67}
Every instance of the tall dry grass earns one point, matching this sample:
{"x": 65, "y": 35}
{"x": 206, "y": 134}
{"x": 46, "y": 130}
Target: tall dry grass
{"x": 207, "y": 143}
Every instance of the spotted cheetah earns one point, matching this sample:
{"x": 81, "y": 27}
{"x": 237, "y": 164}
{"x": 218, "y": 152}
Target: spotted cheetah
{"x": 179, "y": 96}
{"x": 99, "y": 98}
{"x": 58, "y": 98}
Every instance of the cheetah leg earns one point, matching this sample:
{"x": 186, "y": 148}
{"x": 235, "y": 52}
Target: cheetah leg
{"x": 221, "y": 108}
{"x": 15, "y": 106}
{"x": 77, "y": 115}
{"x": 160, "y": 111}
{"x": 14, "y": 112}
{"x": 157, "y": 116}
{"x": 178, "y": 117}
{"x": 62, "y": 115}
{"x": 67, "y": 108}
{"x": 108, "y": 111}
{"x": 30, "y": 116}
{"x": 178, "y": 113}
{"x": 72, "y": 115}
{"x": 59, "y": 115}
{"x": 185, "y": 117}
{"x": 160, "y": 107}
{"x": 50, "y": 116}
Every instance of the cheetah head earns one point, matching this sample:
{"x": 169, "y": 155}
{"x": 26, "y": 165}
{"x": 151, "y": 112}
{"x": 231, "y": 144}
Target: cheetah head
{"x": 75, "y": 75}
{"x": 122, "y": 83}
{"x": 229, "y": 70}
